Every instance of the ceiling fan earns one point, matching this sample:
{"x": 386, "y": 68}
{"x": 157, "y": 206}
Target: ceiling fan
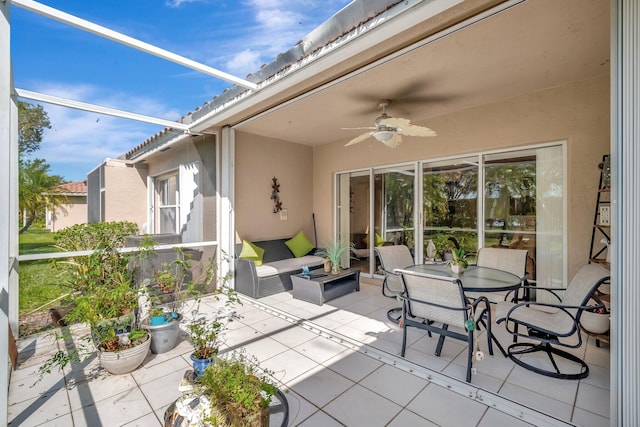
{"x": 389, "y": 130}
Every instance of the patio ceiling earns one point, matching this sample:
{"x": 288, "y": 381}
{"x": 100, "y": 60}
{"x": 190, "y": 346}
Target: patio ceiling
{"x": 529, "y": 47}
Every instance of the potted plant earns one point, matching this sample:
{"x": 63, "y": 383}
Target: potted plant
{"x": 458, "y": 263}
{"x": 103, "y": 296}
{"x": 232, "y": 392}
{"x": 334, "y": 252}
{"x": 206, "y": 337}
{"x": 163, "y": 294}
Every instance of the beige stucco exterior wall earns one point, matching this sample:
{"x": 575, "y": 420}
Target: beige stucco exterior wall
{"x": 258, "y": 160}
{"x": 203, "y": 150}
{"x": 125, "y": 193}
{"x": 577, "y": 113}
{"x": 75, "y": 212}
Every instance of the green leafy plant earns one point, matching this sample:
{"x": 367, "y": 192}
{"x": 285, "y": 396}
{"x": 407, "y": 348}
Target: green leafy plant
{"x": 334, "y": 252}
{"x": 459, "y": 258}
{"x": 239, "y": 391}
{"x": 206, "y": 336}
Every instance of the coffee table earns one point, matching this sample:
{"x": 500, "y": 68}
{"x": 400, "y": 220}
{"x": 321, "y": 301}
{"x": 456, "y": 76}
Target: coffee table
{"x": 318, "y": 288}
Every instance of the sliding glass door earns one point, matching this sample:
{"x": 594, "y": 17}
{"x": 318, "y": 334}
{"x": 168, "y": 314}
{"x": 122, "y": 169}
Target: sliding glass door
{"x": 450, "y": 207}
{"x": 512, "y": 199}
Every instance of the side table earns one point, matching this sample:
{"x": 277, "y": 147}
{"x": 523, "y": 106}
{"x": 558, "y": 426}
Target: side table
{"x": 322, "y": 287}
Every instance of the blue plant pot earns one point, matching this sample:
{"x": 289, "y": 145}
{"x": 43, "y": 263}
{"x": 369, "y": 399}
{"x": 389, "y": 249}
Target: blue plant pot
{"x": 199, "y": 365}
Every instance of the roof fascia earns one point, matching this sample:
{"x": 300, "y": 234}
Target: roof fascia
{"x": 385, "y": 25}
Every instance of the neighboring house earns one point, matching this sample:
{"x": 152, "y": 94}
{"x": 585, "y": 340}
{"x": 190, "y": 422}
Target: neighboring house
{"x": 74, "y": 211}
{"x": 117, "y": 192}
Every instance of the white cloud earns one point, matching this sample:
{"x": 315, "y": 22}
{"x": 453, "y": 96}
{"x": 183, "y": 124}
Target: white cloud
{"x": 86, "y": 139}
{"x": 243, "y": 61}
{"x": 178, "y": 3}
{"x": 272, "y": 27}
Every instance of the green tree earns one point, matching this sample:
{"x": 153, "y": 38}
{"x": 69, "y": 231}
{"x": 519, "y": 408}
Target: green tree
{"x": 37, "y": 191}
{"x": 33, "y": 121}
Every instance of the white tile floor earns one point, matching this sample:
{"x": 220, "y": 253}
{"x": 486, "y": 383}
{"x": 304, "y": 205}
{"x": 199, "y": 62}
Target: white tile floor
{"x": 340, "y": 366}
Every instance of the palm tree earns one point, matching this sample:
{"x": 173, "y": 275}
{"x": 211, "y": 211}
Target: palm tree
{"x": 37, "y": 191}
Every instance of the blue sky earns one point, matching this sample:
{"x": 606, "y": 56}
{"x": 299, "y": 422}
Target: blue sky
{"x": 233, "y": 36}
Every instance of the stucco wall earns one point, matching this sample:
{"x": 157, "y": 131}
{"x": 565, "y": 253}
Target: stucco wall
{"x": 577, "y": 113}
{"x": 258, "y": 160}
{"x": 75, "y": 212}
{"x": 203, "y": 150}
{"x": 125, "y": 193}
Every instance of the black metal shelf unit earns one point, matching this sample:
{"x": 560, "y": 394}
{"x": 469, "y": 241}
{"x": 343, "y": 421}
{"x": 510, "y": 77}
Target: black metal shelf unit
{"x": 601, "y": 233}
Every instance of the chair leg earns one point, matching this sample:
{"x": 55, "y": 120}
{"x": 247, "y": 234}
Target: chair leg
{"x": 470, "y": 356}
{"x": 526, "y": 348}
{"x": 441, "y": 342}
{"x": 395, "y": 314}
{"x": 404, "y": 339}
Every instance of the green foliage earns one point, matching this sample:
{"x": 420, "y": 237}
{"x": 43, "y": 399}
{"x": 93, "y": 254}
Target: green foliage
{"x": 334, "y": 251}
{"x": 33, "y": 121}
{"x": 206, "y": 336}
{"x": 459, "y": 258}
{"x": 36, "y": 191}
{"x": 239, "y": 388}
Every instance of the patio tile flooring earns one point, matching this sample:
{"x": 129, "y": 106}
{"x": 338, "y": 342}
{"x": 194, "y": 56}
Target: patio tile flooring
{"x": 339, "y": 364}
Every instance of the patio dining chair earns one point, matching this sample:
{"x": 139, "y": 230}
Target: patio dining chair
{"x": 546, "y": 329}
{"x": 391, "y": 258}
{"x": 436, "y": 303}
{"x": 513, "y": 261}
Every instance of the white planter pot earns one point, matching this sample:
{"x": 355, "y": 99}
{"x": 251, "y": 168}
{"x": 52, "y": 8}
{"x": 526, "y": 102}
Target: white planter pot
{"x": 125, "y": 361}
{"x": 596, "y": 323}
{"x": 457, "y": 269}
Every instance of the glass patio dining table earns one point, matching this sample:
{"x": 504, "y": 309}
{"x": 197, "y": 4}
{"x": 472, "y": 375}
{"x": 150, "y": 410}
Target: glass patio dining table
{"x": 475, "y": 278}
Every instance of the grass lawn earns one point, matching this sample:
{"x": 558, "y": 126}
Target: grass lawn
{"x": 38, "y": 282}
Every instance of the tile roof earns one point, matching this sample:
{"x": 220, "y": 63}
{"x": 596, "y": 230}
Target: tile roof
{"x": 79, "y": 188}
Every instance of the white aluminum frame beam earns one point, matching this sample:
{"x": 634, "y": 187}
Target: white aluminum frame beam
{"x": 78, "y": 105}
{"x": 99, "y": 30}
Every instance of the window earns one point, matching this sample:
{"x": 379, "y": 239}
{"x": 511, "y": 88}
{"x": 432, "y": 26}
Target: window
{"x": 512, "y": 199}
{"x": 168, "y": 198}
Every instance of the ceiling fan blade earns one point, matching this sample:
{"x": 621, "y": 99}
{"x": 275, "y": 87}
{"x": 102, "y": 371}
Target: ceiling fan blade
{"x": 396, "y": 122}
{"x": 405, "y": 127}
{"x": 362, "y": 127}
{"x": 359, "y": 138}
{"x": 412, "y": 130}
{"x": 394, "y": 141}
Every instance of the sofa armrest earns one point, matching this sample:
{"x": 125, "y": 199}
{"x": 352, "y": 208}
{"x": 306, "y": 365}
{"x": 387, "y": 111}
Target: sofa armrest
{"x": 246, "y": 277}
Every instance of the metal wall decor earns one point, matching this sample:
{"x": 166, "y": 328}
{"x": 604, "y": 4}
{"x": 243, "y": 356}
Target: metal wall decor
{"x": 275, "y": 195}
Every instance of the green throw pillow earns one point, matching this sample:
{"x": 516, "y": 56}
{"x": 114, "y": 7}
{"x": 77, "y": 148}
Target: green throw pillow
{"x": 299, "y": 245}
{"x": 252, "y": 252}
{"x": 379, "y": 240}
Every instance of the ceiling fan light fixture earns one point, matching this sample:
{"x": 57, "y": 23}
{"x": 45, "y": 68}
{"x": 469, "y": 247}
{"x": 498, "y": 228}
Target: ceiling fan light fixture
{"x": 384, "y": 135}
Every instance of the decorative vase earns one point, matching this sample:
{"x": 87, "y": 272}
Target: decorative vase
{"x": 199, "y": 365}
{"x": 335, "y": 269}
{"x": 125, "y": 361}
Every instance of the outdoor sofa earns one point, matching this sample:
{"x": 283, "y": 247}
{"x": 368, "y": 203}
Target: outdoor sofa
{"x": 271, "y": 273}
